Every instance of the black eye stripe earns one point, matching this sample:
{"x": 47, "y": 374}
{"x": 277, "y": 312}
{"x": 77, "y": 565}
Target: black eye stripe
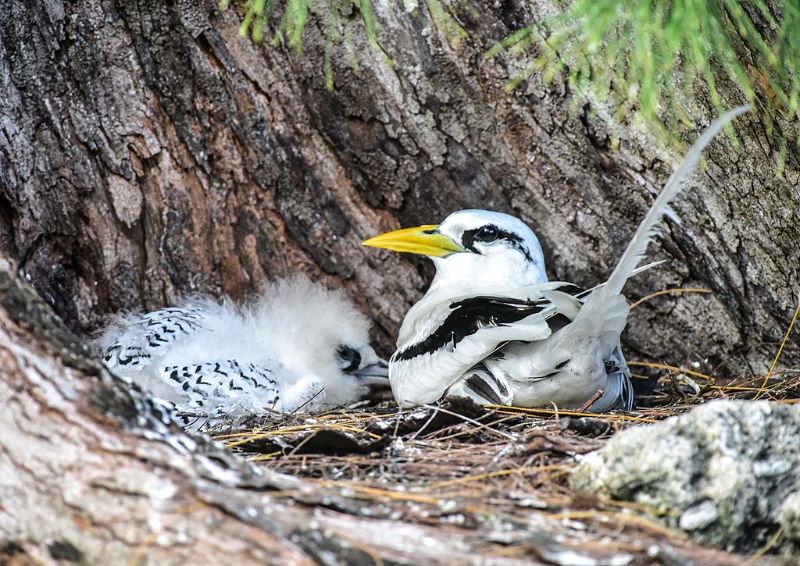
{"x": 350, "y": 357}
{"x": 487, "y": 234}
{"x": 470, "y": 237}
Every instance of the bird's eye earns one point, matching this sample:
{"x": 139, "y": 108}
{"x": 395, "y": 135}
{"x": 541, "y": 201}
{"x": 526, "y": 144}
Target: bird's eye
{"x": 487, "y": 234}
{"x": 349, "y": 357}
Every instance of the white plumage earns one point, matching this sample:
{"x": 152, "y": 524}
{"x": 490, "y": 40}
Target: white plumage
{"x": 493, "y": 328}
{"x": 298, "y": 347}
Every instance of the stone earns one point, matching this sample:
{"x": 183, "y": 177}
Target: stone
{"x": 727, "y": 473}
{"x": 790, "y": 518}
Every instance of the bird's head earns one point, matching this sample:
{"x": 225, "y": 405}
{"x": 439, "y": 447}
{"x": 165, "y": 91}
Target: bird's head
{"x": 319, "y": 332}
{"x": 474, "y": 249}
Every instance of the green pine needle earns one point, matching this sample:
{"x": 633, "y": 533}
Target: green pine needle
{"x": 650, "y": 56}
{"x": 292, "y": 23}
{"x": 445, "y": 22}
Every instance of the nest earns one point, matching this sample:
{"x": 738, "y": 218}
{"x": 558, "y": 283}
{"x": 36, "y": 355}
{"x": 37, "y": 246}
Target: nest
{"x": 500, "y": 473}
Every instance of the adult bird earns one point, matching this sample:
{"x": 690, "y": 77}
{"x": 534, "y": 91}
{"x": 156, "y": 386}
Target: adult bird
{"x": 299, "y": 347}
{"x": 493, "y": 328}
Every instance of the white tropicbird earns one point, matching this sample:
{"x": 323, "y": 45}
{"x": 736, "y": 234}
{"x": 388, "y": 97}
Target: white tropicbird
{"x": 491, "y": 326}
{"x": 298, "y": 347}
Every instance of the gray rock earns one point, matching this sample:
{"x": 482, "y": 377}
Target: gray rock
{"x": 727, "y": 473}
{"x": 790, "y": 518}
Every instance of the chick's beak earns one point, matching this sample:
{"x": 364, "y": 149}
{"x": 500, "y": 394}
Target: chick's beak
{"x": 374, "y": 375}
{"x": 424, "y": 240}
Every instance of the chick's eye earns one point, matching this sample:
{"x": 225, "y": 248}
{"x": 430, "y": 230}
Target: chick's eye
{"x": 349, "y": 357}
{"x": 487, "y": 234}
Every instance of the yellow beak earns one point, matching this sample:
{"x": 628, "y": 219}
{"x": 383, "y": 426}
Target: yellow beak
{"x": 423, "y": 240}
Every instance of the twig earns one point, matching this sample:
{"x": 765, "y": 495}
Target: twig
{"x": 423, "y": 427}
{"x": 494, "y": 474}
{"x": 294, "y": 450}
{"x": 510, "y": 410}
{"x": 668, "y": 292}
{"x": 473, "y": 421}
{"x": 780, "y": 351}
{"x": 766, "y": 548}
{"x": 464, "y": 432}
{"x": 314, "y": 396}
{"x": 623, "y": 519}
{"x": 673, "y": 368}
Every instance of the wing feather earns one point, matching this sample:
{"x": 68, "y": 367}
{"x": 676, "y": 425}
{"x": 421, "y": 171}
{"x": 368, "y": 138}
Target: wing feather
{"x": 675, "y": 184}
{"x": 131, "y": 343}
{"x": 471, "y": 330}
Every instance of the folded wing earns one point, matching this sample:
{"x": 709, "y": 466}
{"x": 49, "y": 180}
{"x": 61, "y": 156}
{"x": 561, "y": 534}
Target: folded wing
{"x": 458, "y": 335}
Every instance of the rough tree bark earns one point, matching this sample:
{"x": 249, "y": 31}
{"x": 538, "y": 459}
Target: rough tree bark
{"x": 147, "y": 151}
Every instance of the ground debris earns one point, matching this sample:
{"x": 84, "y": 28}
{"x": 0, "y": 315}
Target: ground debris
{"x": 495, "y": 478}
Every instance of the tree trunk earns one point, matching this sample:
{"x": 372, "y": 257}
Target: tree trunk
{"x": 147, "y": 151}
